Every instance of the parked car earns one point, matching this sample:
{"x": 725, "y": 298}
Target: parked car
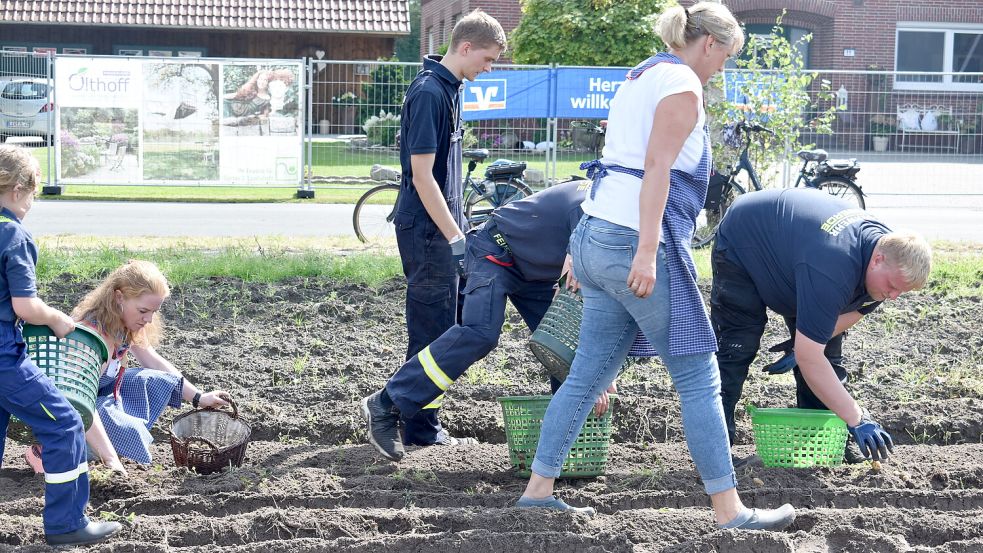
{"x": 25, "y": 109}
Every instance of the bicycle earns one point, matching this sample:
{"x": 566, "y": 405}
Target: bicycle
{"x": 596, "y": 133}
{"x": 838, "y": 177}
{"x": 376, "y": 209}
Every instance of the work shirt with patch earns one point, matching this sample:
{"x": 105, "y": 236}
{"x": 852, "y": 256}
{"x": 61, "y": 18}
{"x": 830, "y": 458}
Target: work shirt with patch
{"x": 537, "y": 229}
{"x": 19, "y": 257}
{"x": 429, "y": 115}
{"x": 806, "y": 252}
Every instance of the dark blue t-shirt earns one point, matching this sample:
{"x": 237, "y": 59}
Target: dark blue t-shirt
{"x": 538, "y": 228}
{"x": 426, "y": 123}
{"x": 807, "y": 253}
{"x": 19, "y": 256}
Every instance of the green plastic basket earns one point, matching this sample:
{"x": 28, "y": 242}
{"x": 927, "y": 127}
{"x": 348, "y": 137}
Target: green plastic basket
{"x": 73, "y": 363}
{"x": 798, "y": 437}
{"x": 554, "y": 342}
{"x": 523, "y": 420}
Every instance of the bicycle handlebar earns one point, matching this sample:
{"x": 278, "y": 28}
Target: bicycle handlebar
{"x": 754, "y": 127}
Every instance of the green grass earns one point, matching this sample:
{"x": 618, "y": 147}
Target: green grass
{"x": 331, "y": 159}
{"x": 958, "y": 269}
{"x": 188, "y": 263}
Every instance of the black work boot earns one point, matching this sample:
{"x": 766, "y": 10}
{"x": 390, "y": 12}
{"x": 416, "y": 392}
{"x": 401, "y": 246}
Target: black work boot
{"x": 383, "y": 427}
{"x": 91, "y": 533}
{"x": 852, "y": 455}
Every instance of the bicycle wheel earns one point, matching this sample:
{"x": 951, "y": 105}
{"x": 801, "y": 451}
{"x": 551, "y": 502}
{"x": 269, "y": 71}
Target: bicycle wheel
{"x": 709, "y": 219}
{"x": 842, "y": 188}
{"x": 477, "y": 207}
{"x": 374, "y": 213}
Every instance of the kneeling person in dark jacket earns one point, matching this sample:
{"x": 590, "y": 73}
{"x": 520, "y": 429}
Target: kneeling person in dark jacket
{"x": 518, "y": 254}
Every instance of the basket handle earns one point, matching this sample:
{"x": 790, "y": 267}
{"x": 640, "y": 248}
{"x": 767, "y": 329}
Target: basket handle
{"x": 235, "y": 408}
{"x": 227, "y": 397}
{"x": 562, "y": 288}
{"x": 206, "y": 441}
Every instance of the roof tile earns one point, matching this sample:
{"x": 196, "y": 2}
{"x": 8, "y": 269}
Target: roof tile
{"x": 376, "y": 16}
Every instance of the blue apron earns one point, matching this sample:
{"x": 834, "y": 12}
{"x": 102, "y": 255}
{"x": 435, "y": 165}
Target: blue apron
{"x": 454, "y": 187}
{"x": 689, "y": 329}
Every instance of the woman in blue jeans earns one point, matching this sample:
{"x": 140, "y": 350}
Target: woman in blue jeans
{"x": 632, "y": 259}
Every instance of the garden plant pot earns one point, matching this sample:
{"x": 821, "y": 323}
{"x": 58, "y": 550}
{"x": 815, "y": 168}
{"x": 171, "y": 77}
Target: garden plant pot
{"x": 880, "y": 143}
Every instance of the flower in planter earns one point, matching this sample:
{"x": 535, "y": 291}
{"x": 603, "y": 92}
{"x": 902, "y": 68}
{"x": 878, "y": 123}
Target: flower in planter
{"x": 381, "y": 129}
{"x": 882, "y": 125}
{"x": 348, "y": 98}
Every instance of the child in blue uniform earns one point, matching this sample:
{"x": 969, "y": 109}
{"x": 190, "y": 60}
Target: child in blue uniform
{"x": 122, "y": 309}
{"x": 25, "y": 391}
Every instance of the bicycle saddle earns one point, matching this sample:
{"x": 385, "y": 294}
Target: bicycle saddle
{"x": 813, "y": 155}
{"x": 477, "y": 155}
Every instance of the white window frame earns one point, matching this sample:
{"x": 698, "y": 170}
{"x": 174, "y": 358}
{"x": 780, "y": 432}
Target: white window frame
{"x": 949, "y": 30}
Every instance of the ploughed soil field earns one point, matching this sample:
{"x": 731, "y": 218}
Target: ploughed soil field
{"x": 298, "y": 356}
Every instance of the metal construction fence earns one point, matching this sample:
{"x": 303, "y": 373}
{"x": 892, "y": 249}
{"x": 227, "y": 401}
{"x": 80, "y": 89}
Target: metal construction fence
{"x": 918, "y": 136}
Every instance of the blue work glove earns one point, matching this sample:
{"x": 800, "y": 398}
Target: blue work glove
{"x": 873, "y": 440}
{"x": 785, "y": 363}
{"x": 458, "y": 248}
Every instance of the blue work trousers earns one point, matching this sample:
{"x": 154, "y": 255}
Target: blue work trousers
{"x": 431, "y": 301}
{"x": 492, "y": 279}
{"x": 739, "y": 315}
{"x": 29, "y": 395}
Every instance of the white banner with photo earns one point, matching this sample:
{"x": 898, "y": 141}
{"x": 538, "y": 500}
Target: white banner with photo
{"x": 190, "y": 121}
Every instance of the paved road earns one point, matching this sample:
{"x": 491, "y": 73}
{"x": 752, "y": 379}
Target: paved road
{"x": 293, "y": 219}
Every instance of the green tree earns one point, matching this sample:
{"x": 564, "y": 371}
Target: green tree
{"x": 407, "y": 47}
{"x": 385, "y": 90}
{"x": 774, "y": 89}
{"x": 587, "y": 32}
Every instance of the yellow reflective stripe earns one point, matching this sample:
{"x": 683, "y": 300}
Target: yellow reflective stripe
{"x": 48, "y": 412}
{"x": 436, "y": 403}
{"x": 63, "y": 477}
{"x": 430, "y": 367}
{"x": 5, "y": 219}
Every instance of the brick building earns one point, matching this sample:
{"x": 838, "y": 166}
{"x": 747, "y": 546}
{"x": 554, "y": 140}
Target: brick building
{"x": 931, "y": 35}
{"x": 847, "y": 35}
{"x": 945, "y": 38}
{"x": 437, "y": 19}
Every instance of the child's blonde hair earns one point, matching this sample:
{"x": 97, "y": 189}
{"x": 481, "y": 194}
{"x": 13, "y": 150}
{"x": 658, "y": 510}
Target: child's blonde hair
{"x": 133, "y": 279}
{"x": 18, "y": 169}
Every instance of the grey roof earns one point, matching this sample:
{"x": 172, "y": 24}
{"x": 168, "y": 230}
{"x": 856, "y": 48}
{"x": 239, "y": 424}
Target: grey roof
{"x": 363, "y": 16}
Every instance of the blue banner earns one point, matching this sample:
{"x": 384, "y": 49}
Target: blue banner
{"x": 586, "y": 93}
{"x": 741, "y": 90}
{"x": 504, "y": 94}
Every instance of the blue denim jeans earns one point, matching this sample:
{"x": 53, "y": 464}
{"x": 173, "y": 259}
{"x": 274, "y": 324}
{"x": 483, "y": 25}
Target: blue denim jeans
{"x": 602, "y": 254}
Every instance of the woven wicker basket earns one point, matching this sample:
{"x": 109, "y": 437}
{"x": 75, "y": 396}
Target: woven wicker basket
{"x": 209, "y": 440}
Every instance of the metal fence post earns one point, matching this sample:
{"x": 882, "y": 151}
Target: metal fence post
{"x": 53, "y": 186}
{"x": 305, "y": 191}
